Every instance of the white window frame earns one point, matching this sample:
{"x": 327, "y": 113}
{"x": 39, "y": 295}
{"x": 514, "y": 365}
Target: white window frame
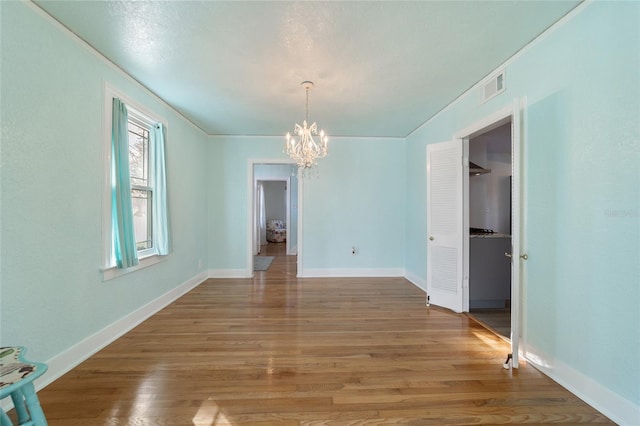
{"x": 146, "y": 257}
{"x": 143, "y": 122}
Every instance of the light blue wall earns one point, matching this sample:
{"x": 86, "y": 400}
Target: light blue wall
{"x": 51, "y": 289}
{"x": 228, "y": 159}
{"x": 582, "y": 150}
{"x": 356, "y": 199}
{"x": 267, "y": 171}
{"x": 582, "y": 181}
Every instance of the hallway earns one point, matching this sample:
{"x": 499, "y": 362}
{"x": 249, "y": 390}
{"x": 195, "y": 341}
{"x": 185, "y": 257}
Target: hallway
{"x": 282, "y": 267}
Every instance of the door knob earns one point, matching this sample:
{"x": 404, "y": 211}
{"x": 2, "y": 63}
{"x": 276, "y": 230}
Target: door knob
{"x": 524, "y": 256}
{"x": 508, "y": 255}
{"x": 431, "y": 238}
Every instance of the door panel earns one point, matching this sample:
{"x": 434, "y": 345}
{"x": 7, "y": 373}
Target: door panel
{"x": 516, "y": 230}
{"x": 444, "y": 224}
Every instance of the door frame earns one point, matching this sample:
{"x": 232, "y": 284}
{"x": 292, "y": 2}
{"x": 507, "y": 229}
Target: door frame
{"x": 513, "y": 113}
{"x": 287, "y": 205}
{"x": 251, "y": 210}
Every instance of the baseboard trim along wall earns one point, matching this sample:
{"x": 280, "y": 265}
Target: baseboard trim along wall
{"x": 348, "y": 272}
{"x": 65, "y": 361}
{"x": 609, "y": 403}
{"x": 612, "y": 405}
{"x": 417, "y": 281}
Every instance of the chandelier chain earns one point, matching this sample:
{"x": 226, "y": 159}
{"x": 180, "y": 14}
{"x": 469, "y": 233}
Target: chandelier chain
{"x": 306, "y": 106}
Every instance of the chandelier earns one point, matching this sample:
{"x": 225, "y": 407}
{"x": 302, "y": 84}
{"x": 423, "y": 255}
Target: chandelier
{"x": 302, "y": 147}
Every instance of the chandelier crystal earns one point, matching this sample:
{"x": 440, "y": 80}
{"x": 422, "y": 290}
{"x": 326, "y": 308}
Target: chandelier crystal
{"x": 302, "y": 146}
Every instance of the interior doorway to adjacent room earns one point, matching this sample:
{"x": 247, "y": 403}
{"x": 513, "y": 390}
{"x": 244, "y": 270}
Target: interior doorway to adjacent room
{"x": 448, "y": 220}
{"x": 489, "y": 204}
{"x": 275, "y": 194}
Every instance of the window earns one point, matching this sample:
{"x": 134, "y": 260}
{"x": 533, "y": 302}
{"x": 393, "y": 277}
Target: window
{"x": 141, "y": 189}
{"x": 135, "y": 216}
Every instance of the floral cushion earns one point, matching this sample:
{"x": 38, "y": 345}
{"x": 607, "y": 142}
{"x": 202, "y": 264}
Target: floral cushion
{"x": 276, "y": 231}
{"x": 14, "y": 368}
{"x": 275, "y": 224}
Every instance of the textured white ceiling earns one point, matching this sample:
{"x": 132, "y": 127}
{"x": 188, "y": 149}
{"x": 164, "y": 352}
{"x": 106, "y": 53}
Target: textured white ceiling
{"x": 379, "y": 68}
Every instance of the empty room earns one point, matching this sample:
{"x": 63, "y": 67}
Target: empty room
{"x": 300, "y": 213}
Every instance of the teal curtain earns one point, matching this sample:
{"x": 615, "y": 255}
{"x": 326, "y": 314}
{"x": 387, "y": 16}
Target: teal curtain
{"x": 123, "y": 233}
{"x": 160, "y": 205}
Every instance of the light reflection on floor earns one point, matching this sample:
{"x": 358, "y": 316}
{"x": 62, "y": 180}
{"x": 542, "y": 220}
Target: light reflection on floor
{"x": 209, "y": 414}
{"x": 139, "y": 406}
{"x": 496, "y": 344}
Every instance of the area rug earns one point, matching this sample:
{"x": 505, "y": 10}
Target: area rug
{"x": 262, "y": 263}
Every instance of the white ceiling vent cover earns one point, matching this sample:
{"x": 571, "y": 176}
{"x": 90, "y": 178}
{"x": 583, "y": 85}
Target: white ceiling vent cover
{"x": 493, "y": 87}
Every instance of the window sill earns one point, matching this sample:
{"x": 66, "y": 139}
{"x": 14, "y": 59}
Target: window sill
{"x": 113, "y": 272}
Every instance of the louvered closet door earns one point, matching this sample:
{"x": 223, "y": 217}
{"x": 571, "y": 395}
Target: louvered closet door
{"x": 444, "y": 224}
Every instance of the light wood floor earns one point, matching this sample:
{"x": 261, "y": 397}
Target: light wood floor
{"x": 496, "y": 320}
{"x": 276, "y": 350}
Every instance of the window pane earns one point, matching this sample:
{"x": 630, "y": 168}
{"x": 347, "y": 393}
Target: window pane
{"x": 138, "y": 154}
{"x": 141, "y": 201}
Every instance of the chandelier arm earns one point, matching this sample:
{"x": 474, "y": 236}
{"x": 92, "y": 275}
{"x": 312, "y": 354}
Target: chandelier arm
{"x": 301, "y": 146}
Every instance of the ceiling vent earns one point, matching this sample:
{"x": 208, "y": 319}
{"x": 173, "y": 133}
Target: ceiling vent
{"x": 493, "y": 87}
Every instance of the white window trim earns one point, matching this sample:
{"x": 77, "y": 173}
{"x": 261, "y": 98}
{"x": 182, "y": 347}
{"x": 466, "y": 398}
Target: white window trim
{"x": 146, "y": 257}
{"x": 113, "y": 272}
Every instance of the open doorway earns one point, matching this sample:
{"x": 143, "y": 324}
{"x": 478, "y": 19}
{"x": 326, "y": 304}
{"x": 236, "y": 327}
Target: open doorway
{"x": 489, "y": 201}
{"x": 274, "y": 198}
{"x": 448, "y": 225}
{"x": 272, "y": 210}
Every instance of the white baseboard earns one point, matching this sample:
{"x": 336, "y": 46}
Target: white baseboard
{"x": 347, "y": 272}
{"x": 228, "y": 273}
{"x": 417, "y": 281}
{"x": 619, "y": 409}
{"x": 65, "y": 361}
{"x": 609, "y": 403}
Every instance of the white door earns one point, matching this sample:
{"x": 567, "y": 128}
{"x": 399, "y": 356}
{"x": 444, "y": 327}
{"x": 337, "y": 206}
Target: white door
{"x": 516, "y": 231}
{"x": 444, "y": 224}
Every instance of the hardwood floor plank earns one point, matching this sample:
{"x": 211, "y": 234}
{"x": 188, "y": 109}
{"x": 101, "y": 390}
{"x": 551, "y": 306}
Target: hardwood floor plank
{"x": 280, "y": 350}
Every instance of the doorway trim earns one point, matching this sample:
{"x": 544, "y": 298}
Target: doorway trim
{"x": 484, "y": 125}
{"x": 287, "y": 207}
{"x": 251, "y": 196}
{"x": 513, "y": 113}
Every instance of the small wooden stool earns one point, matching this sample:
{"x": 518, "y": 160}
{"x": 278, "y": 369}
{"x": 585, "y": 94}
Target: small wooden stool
{"x": 16, "y": 379}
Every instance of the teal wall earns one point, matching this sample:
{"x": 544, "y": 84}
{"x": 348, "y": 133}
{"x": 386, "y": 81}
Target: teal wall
{"x": 228, "y": 159}
{"x": 355, "y": 199}
{"x": 51, "y": 289}
{"x": 582, "y": 179}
